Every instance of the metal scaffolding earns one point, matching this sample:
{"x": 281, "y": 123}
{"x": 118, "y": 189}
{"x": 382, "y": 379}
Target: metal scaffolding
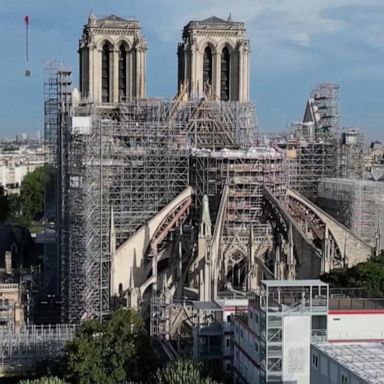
{"x": 57, "y": 102}
{"x": 20, "y": 350}
{"x": 313, "y": 150}
{"x": 130, "y": 159}
{"x": 314, "y": 161}
{"x": 325, "y": 107}
{"x": 51, "y": 111}
{"x": 358, "y": 204}
{"x": 245, "y": 172}
{"x": 57, "y": 97}
{"x": 352, "y": 150}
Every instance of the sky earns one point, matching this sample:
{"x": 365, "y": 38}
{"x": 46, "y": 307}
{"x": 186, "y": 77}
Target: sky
{"x": 295, "y": 45}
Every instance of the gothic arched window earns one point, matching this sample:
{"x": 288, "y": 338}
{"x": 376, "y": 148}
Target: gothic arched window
{"x": 105, "y": 71}
{"x": 122, "y": 73}
{"x": 207, "y": 66}
{"x": 225, "y": 74}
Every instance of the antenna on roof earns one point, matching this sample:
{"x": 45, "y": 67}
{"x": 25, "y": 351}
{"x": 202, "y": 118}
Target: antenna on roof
{"x": 230, "y": 17}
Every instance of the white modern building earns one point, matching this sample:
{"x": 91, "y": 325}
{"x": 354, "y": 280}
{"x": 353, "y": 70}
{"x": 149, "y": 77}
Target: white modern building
{"x": 347, "y": 363}
{"x": 355, "y": 317}
{"x": 272, "y": 342}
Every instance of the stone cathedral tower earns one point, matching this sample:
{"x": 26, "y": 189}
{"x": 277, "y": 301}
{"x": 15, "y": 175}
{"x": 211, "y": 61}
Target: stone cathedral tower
{"x": 214, "y": 60}
{"x": 112, "y": 60}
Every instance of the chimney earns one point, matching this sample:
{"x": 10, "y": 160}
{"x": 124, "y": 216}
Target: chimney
{"x": 8, "y": 262}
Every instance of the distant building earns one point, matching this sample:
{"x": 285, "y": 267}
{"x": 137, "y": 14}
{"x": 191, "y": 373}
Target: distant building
{"x": 14, "y": 166}
{"x": 11, "y": 305}
{"x": 376, "y": 145}
{"x": 212, "y": 337}
{"x": 15, "y": 245}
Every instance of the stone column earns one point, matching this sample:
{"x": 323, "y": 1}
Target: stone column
{"x": 240, "y": 76}
{"x": 143, "y": 73}
{"x": 207, "y": 280}
{"x": 154, "y": 269}
{"x": 129, "y": 74}
{"x": 88, "y": 77}
{"x": 187, "y": 78}
{"x": 216, "y": 76}
{"x": 114, "y": 65}
{"x": 245, "y": 75}
{"x": 201, "y": 284}
{"x": 192, "y": 65}
{"x": 136, "y": 72}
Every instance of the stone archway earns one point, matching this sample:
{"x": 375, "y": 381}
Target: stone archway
{"x": 236, "y": 267}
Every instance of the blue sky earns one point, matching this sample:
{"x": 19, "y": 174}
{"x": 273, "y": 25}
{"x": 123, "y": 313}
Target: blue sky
{"x": 295, "y": 44}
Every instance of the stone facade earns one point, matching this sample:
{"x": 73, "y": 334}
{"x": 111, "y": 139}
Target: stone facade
{"x": 112, "y": 60}
{"x": 214, "y": 60}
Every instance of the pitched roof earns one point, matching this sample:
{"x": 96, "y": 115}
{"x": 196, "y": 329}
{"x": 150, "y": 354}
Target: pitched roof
{"x": 214, "y": 20}
{"x": 113, "y": 18}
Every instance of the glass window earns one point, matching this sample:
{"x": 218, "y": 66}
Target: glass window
{"x": 315, "y": 361}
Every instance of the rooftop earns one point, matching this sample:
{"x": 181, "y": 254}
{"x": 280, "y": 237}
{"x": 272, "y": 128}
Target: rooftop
{"x": 352, "y": 182}
{"x": 292, "y": 283}
{"x": 207, "y": 306}
{"x": 112, "y": 20}
{"x": 251, "y": 153}
{"x": 216, "y": 23}
{"x": 364, "y": 360}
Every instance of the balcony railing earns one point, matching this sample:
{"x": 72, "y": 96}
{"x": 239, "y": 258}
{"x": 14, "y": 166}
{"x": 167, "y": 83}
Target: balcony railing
{"x": 346, "y": 303}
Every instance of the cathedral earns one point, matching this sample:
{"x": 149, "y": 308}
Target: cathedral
{"x": 163, "y": 197}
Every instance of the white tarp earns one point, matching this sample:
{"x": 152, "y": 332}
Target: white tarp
{"x": 80, "y": 125}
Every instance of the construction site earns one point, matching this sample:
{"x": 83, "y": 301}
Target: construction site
{"x": 162, "y": 204}
{"x": 124, "y": 168}
{"x": 358, "y": 204}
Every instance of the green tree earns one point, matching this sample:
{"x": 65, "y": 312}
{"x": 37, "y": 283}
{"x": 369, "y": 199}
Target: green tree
{"x": 111, "y": 352}
{"x": 368, "y": 275}
{"x": 43, "y": 380}
{"x": 32, "y": 194}
{"x": 29, "y": 205}
{"x": 15, "y": 215}
{"x": 183, "y": 372}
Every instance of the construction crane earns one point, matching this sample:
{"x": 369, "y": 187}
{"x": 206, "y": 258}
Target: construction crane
{"x": 26, "y": 20}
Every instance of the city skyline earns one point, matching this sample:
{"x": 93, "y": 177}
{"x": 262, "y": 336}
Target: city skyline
{"x": 294, "y": 44}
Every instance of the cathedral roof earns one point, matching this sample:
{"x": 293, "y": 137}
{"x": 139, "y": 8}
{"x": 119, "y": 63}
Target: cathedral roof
{"x": 111, "y": 21}
{"x": 113, "y": 18}
{"x": 215, "y": 23}
{"x": 214, "y": 20}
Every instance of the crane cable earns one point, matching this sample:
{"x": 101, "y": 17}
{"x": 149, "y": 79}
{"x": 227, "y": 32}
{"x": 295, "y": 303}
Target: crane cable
{"x": 26, "y": 20}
